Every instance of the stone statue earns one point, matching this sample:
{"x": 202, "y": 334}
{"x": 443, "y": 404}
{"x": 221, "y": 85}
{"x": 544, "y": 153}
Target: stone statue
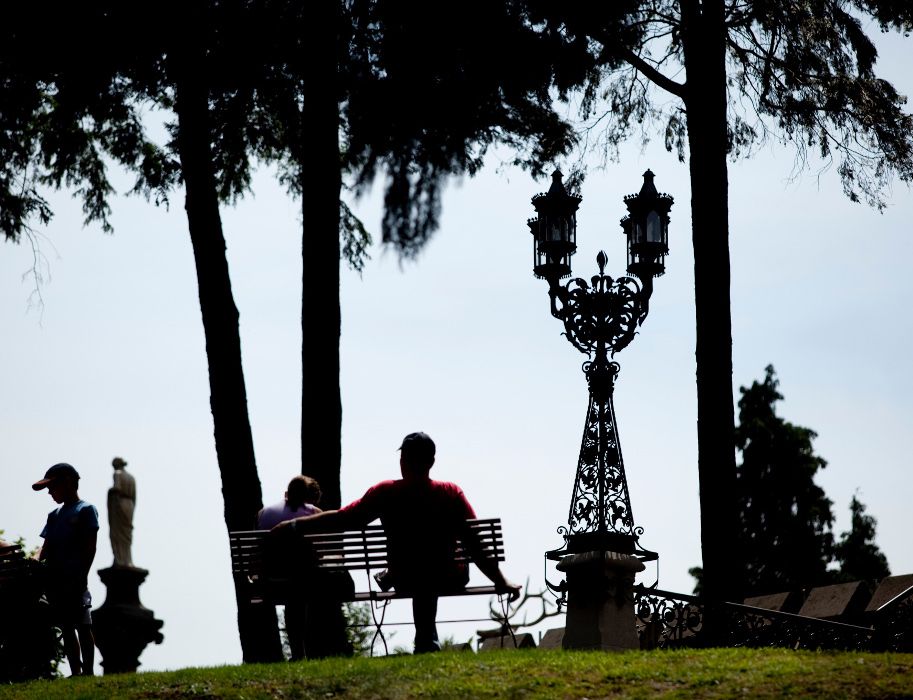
{"x": 121, "y": 502}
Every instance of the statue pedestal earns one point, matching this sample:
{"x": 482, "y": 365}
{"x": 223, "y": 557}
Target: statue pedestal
{"x": 600, "y": 603}
{"x": 122, "y": 625}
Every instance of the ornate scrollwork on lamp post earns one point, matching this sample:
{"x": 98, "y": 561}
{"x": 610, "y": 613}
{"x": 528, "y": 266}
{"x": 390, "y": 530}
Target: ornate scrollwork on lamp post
{"x": 601, "y": 317}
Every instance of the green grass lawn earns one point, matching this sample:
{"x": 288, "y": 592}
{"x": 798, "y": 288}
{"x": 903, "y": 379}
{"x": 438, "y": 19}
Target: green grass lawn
{"x": 533, "y": 673}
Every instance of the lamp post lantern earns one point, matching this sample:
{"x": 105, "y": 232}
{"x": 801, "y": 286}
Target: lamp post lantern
{"x": 554, "y": 231}
{"x": 647, "y": 229}
{"x": 600, "y": 319}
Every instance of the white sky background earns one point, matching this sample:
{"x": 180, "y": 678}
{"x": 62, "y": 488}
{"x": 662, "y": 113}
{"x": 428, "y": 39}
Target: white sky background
{"x": 462, "y": 346}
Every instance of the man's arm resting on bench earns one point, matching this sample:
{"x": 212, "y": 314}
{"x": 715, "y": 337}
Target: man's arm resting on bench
{"x": 490, "y": 568}
{"x": 489, "y": 565}
{"x": 327, "y": 521}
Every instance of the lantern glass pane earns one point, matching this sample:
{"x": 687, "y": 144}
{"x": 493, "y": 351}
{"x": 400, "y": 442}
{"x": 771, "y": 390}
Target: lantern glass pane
{"x": 654, "y": 228}
{"x": 554, "y": 229}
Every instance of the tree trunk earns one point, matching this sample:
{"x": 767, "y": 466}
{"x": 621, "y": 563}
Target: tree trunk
{"x": 228, "y": 398}
{"x": 705, "y": 102}
{"x": 321, "y": 185}
{"x": 321, "y": 403}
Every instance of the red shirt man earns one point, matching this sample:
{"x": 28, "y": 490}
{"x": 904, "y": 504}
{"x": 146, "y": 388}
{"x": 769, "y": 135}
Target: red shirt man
{"x": 418, "y": 515}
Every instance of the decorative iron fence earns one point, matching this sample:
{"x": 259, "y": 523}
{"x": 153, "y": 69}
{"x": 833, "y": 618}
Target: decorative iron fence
{"x": 668, "y": 620}
{"x": 894, "y": 623}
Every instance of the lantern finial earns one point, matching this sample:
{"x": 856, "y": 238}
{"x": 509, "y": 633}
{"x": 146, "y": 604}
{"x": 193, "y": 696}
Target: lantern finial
{"x": 557, "y": 188}
{"x": 648, "y": 187}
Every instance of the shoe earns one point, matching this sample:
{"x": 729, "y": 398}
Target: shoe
{"x": 384, "y": 580}
{"x": 427, "y": 646}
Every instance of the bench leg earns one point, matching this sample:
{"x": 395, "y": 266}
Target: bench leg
{"x": 378, "y": 625}
{"x": 504, "y": 619}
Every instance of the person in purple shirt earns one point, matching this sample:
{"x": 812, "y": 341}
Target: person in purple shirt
{"x": 70, "y": 537}
{"x": 301, "y": 498}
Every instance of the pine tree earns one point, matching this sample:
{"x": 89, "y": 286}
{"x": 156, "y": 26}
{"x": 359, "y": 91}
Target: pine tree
{"x": 786, "y": 536}
{"x": 785, "y": 517}
{"x": 860, "y": 558}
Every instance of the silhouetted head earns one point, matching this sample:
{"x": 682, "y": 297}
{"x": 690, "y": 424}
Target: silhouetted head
{"x": 118, "y": 463}
{"x": 302, "y": 489}
{"x": 61, "y": 481}
{"x": 416, "y": 454}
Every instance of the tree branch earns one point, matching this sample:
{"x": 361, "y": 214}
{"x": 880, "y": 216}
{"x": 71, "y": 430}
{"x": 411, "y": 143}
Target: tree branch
{"x": 654, "y": 75}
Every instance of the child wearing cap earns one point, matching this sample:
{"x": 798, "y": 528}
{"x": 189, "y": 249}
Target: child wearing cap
{"x": 70, "y": 538}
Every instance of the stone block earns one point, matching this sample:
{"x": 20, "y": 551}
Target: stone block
{"x": 552, "y": 639}
{"x": 889, "y": 588}
{"x": 783, "y": 602}
{"x": 524, "y": 641}
{"x": 837, "y": 602}
{"x": 600, "y": 608}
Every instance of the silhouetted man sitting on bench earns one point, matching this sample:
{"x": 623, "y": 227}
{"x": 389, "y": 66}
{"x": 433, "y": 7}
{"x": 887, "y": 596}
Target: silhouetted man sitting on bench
{"x": 423, "y": 519}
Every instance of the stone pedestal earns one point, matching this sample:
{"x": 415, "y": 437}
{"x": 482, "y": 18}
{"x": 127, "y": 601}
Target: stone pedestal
{"x": 600, "y": 603}
{"x": 123, "y": 626}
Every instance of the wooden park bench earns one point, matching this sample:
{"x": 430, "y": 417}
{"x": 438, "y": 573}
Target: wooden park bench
{"x": 353, "y": 551}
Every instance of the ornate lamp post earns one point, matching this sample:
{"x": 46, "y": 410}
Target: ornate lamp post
{"x": 600, "y": 317}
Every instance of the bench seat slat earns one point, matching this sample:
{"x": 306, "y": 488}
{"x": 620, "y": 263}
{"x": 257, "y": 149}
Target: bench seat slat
{"x": 380, "y": 596}
{"x": 356, "y": 542}
{"x": 391, "y": 595}
{"x": 380, "y": 561}
{"x": 355, "y": 552}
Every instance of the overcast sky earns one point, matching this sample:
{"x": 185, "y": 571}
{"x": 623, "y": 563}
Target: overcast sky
{"x": 459, "y": 344}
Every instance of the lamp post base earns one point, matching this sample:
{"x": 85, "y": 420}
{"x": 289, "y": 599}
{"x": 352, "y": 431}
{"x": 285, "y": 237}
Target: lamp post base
{"x": 123, "y": 626}
{"x": 600, "y": 603}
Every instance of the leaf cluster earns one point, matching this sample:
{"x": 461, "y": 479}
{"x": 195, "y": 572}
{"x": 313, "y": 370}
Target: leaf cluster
{"x": 802, "y": 73}
{"x": 809, "y": 68}
{"x": 423, "y": 92}
{"x": 66, "y": 109}
{"x": 432, "y": 88}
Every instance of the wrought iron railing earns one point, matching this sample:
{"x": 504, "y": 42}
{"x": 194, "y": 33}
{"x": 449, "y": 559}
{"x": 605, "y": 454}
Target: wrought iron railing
{"x": 893, "y": 622}
{"x": 669, "y": 620}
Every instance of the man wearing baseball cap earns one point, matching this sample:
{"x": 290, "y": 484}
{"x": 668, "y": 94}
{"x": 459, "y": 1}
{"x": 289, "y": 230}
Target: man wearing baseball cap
{"x": 70, "y": 537}
{"x": 418, "y": 515}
